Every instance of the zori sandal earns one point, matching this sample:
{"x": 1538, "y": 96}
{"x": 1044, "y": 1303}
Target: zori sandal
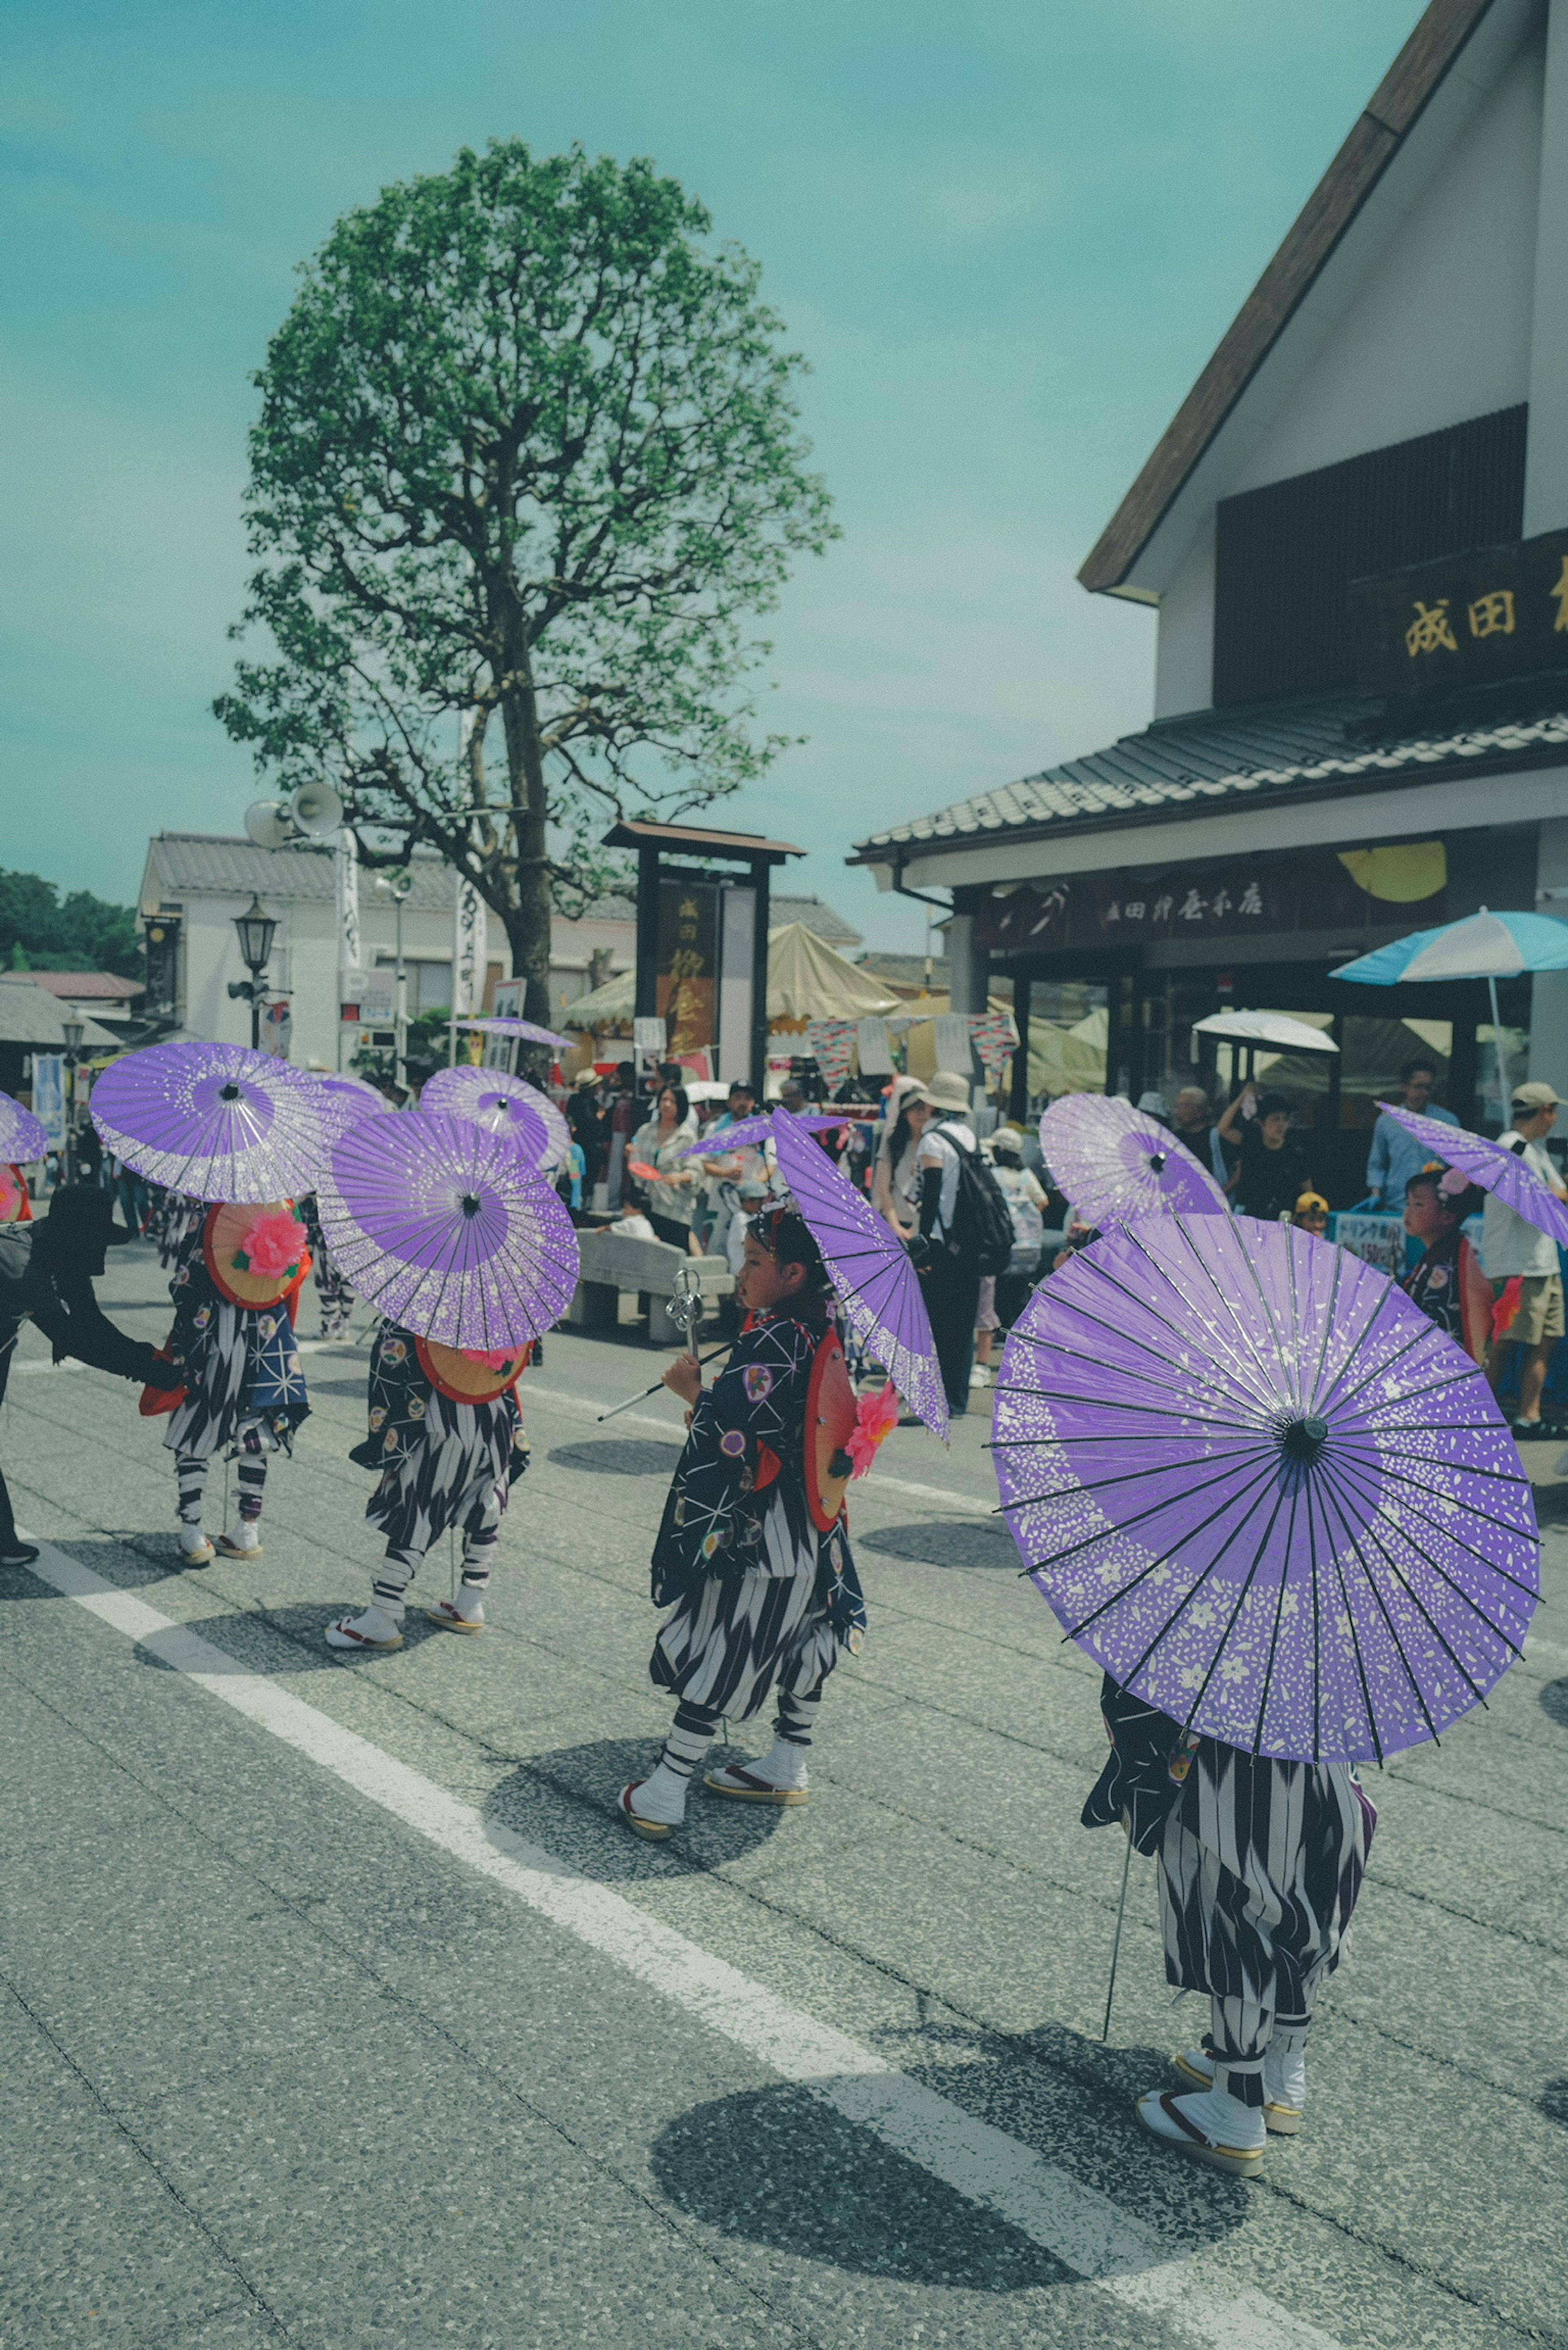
{"x": 1162, "y": 2117}
{"x": 656, "y": 1831}
{"x": 745, "y": 1787}
{"x": 448, "y": 1615}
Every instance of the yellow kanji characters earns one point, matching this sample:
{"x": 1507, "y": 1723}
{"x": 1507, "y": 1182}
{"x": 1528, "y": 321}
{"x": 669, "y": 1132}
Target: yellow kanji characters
{"x": 1560, "y": 625}
{"x": 1493, "y": 615}
{"x": 1429, "y": 631}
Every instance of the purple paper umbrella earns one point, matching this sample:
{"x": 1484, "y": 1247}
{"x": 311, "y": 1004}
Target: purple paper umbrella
{"x": 214, "y": 1121}
{"x": 357, "y": 1094}
{"x": 1493, "y": 1166}
{"x": 440, "y": 1223}
{"x": 529, "y": 1030}
{"x": 878, "y": 1288}
{"x": 1262, "y": 1491}
{"x": 751, "y": 1133}
{"x": 504, "y": 1104}
{"x": 21, "y": 1136}
{"x": 1113, "y": 1162}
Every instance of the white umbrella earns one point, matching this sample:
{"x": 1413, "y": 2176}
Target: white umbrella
{"x": 1266, "y": 1028}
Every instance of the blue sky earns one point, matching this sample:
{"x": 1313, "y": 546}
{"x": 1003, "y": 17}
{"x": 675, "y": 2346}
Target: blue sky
{"x": 1005, "y": 235}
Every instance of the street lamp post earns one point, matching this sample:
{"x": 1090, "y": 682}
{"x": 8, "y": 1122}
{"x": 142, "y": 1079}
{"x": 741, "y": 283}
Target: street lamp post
{"x": 254, "y": 928}
{"x": 75, "y": 1030}
{"x": 396, "y": 885}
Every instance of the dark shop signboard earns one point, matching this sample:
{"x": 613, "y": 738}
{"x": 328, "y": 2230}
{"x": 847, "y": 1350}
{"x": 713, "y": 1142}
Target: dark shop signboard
{"x": 1498, "y": 611}
{"x": 688, "y": 963}
{"x": 1237, "y": 899}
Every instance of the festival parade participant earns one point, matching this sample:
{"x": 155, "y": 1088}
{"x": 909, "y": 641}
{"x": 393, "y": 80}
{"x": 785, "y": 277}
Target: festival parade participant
{"x": 333, "y": 1293}
{"x": 754, "y": 1548}
{"x": 1448, "y": 1284}
{"x": 236, "y": 1289}
{"x": 1260, "y": 1862}
{"x": 446, "y": 1435}
{"x": 47, "y": 1268}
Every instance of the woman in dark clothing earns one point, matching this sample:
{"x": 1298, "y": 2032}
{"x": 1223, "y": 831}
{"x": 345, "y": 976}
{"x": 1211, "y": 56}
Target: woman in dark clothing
{"x": 47, "y": 1272}
{"x": 1272, "y": 1173}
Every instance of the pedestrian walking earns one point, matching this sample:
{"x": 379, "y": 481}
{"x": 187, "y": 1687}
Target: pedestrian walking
{"x": 446, "y": 1437}
{"x": 241, "y": 1392}
{"x": 1514, "y": 1250}
{"x": 753, "y": 1549}
{"x": 47, "y": 1267}
{"x": 662, "y": 1144}
{"x": 950, "y": 1247}
{"x": 1259, "y": 1862}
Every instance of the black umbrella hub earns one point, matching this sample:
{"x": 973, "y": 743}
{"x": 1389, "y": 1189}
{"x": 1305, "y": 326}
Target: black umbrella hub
{"x": 1303, "y": 1439}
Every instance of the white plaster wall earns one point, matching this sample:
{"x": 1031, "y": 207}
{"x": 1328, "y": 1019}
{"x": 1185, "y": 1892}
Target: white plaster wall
{"x": 1440, "y": 328}
{"x": 1184, "y": 648}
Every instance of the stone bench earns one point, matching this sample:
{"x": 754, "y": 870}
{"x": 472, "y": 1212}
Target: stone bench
{"x": 615, "y": 1263}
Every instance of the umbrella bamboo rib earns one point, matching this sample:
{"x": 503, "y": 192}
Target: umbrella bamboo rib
{"x": 1435, "y": 1628}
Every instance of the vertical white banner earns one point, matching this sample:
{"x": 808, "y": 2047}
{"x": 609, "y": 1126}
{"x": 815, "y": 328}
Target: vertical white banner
{"x": 469, "y": 942}
{"x": 346, "y": 871}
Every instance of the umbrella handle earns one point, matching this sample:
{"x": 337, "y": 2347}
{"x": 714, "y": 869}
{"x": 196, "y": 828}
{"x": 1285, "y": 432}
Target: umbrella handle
{"x": 1116, "y": 1944}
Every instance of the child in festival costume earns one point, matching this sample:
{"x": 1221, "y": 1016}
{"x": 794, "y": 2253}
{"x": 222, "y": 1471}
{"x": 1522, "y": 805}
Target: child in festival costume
{"x": 1260, "y": 1862}
{"x": 333, "y": 1293}
{"x": 1448, "y": 1284}
{"x": 241, "y": 1391}
{"x": 754, "y": 1547}
{"x": 446, "y": 1435}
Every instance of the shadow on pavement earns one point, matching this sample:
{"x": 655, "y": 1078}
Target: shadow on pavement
{"x": 619, "y": 1456}
{"x": 776, "y": 2168}
{"x": 127, "y": 1560}
{"x": 244, "y": 1636}
{"x": 1552, "y": 1505}
{"x": 1554, "y": 2102}
{"x": 945, "y": 1542}
{"x": 583, "y": 1828}
{"x": 1553, "y": 1700}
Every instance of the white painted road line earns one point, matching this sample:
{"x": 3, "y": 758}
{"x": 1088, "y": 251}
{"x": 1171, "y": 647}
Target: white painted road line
{"x": 673, "y": 1430}
{"x": 1195, "y": 2297}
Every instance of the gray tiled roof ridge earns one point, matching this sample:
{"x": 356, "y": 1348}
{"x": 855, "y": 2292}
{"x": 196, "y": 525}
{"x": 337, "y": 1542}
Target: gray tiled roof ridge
{"x": 1200, "y": 756}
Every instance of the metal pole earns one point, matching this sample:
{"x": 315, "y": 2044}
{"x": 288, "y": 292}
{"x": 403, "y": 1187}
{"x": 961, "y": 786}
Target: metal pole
{"x": 1497, "y": 1049}
{"x": 759, "y": 1039}
{"x": 255, "y": 1010}
{"x": 1117, "y": 1945}
{"x": 400, "y": 1023}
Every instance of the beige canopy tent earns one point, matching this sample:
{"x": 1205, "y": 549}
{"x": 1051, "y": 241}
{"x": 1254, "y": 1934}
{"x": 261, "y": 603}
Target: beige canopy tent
{"x": 1068, "y": 1060}
{"x": 806, "y": 981}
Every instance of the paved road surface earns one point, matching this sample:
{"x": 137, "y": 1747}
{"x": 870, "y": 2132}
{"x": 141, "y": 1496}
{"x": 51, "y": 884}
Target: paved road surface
{"x": 336, "y": 2007}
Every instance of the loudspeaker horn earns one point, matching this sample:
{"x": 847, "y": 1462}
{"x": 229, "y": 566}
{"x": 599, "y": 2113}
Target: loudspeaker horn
{"x": 317, "y": 809}
{"x": 268, "y": 824}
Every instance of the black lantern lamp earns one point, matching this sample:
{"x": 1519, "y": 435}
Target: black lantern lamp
{"x": 256, "y": 930}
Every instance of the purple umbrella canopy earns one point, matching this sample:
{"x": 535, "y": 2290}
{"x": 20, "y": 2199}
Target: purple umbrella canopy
{"x": 504, "y": 1105}
{"x": 1493, "y": 1165}
{"x": 215, "y": 1121}
{"x": 440, "y": 1223}
{"x": 21, "y": 1136}
{"x": 529, "y": 1030}
{"x": 1114, "y": 1161}
{"x": 878, "y": 1288}
{"x": 1262, "y": 1491}
{"x": 355, "y": 1094}
{"x": 751, "y": 1133}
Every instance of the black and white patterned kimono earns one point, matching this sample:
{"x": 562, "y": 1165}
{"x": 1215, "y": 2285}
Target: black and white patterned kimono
{"x": 761, "y": 1596}
{"x": 238, "y": 1365}
{"x": 333, "y": 1293}
{"x": 171, "y": 1220}
{"x": 1261, "y": 1861}
{"x": 442, "y": 1463}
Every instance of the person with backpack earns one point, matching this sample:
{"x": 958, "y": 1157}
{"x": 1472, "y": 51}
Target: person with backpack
{"x": 1026, "y": 1205}
{"x": 965, "y": 1231}
{"x": 47, "y": 1271}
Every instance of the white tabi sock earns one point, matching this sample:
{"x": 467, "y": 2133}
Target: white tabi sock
{"x": 1224, "y": 2119}
{"x": 784, "y": 1764}
{"x": 662, "y": 1796}
{"x": 192, "y": 1540}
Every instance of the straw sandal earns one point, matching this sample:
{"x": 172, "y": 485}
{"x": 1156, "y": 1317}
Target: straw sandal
{"x": 342, "y": 1635}
{"x": 744, "y": 1787}
{"x": 228, "y": 1548}
{"x": 656, "y": 1831}
{"x": 1164, "y": 2119}
{"x": 447, "y": 1616}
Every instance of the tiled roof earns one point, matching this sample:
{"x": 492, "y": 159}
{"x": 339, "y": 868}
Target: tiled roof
{"x": 817, "y": 918}
{"x": 1184, "y": 766}
{"x": 89, "y": 986}
{"x": 208, "y": 864}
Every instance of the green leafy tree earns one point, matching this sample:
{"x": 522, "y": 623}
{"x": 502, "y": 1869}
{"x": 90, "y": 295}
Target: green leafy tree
{"x": 527, "y": 469}
{"x": 41, "y": 930}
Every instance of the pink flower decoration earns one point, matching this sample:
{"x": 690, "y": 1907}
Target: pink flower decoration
{"x": 10, "y": 1197}
{"x": 875, "y": 1417}
{"x": 495, "y": 1359}
{"x": 274, "y": 1243}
